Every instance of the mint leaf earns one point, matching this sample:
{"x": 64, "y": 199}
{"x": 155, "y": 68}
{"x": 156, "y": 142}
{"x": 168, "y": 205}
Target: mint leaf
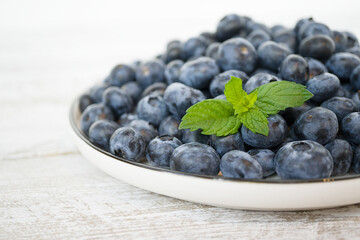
{"x": 276, "y": 96}
{"x": 213, "y": 116}
{"x": 235, "y": 94}
{"x": 255, "y": 121}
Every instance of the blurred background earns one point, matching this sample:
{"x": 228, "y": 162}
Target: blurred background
{"x": 51, "y": 51}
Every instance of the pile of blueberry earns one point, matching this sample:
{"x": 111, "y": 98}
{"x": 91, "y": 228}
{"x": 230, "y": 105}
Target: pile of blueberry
{"x": 135, "y": 112}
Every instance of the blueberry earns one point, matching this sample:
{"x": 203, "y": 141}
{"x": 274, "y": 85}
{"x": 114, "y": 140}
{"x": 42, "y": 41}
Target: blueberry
{"x": 179, "y": 97}
{"x": 355, "y": 78}
{"x": 292, "y": 113}
{"x": 84, "y": 101}
{"x": 209, "y": 36}
{"x": 277, "y": 133}
{"x": 354, "y": 50}
{"x": 212, "y": 50}
{"x": 172, "y": 71}
{"x": 277, "y": 28}
{"x": 157, "y": 89}
{"x": 271, "y": 55}
{"x": 160, "y": 149}
{"x": 286, "y": 37}
{"x": 258, "y": 80}
{"x": 352, "y": 40}
{"x": 317, "y": 46}
{"x": 342, "y": 155}
{"x": 173, "y": 51}
{"x": 188, "y": 136}
{"x": 93, "y": 113}
{"x": 153, "y": 109}
{"x": 343, "y": 64}
{"x": 222, "y": 96}
{"x": 194, "y": 47}
{"x": 356, "y": 98}
{"x": 315, "y": 67}
{"x": 150, "y": 72}
{"x": 314, "y": 28}
{"x": 257, "y": 37}
{"x": 356, "y": 161}
{"x": 350, "y": 126}
{"x": 239, "y": 164}
{"x": 100, "y": 133}
{"x": 340, "y": 40}
{"x": 126, "y": 118}
{"x": 229, "y": 26}
{"x": 237, "y": 54}
{"x": 252, "y": 26}
{"x": 343, "y": 92}
{"x": 341, "y": 106}
{"x": 148, "y": 131}
{"x": 294, "y": 68}
{"x": 226, "y": 144}
{"x": 217, "y": 85}
{"x": 169, "y": 126}
{"x": 132, "y": 89}
{"x": 128, "y": 143}
{"x": 118, "y": 101}
{"x": 97, "y": 91}
{"x": 195, "y": 158}
{"x": 301, "y": 22}
{"x": 120, "y": 75}
{"x": 317, "y": 124}
{"x": 303, "y": 160}
{"x": 323, "y": 86}
{"x": 198, "y": 73}
{"x": 266, "y": 159}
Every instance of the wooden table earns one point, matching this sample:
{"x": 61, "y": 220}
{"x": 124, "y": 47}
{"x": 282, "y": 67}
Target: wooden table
{"x": 49, "y": 191}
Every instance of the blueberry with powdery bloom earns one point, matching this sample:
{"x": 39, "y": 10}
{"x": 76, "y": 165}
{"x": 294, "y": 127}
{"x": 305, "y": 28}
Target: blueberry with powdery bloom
{"x": 228, "y": 143}
{"x": 258, "y": 37}
{"x": 356, "y": 98}
{"x": 323, "y": 86}
{"x": 101, "y": 131}
{"x": 352, "y": 40}
{"x": 195, "y": 158}
{"x": 294, "y": 68}
{"x": 341, "y": 106}
{"x": 342, "y": 155}
{"x": 93, "y": 113}
{"x": 350, "y": 126}
{"x": 212, "y": 50}
{"x": 153, "y": 109}
{"x": 188, "y": 136}
{"x": 318, "y": 46}
{"x": 132, "y": 89}
{"x": 199, "y": 72}
{"x": 315, "y": 67}
{"x": 150, "y": 72}
{"x": 84, "y": 101}
{"x": 120, "y": 75}
{"x": 266, "y": 159}
{"x": 172, "y": 71}
{"x": 258, "y": 80}
{"x": 229, "y": 26}
{"x": 237, "y": 54}
{"x": 97, "y": 91}
{"x": 343, "y": 64}
{"x": 355, "y": 78}
{"x": 271, "y": 55}
{"x": 287, "y": 38}
{"x": 217, "y": 85}
{"x": 194, "y": 47}
{"x": 239, "y": 164}
{"x": 157, "y": 89}
{"x": 159, "y": 150}
{"x": 340, "y": 40}
{"x": 314, "y": 29}
{"x": 169, "y": 126}
{"x": 173, "y": 51}
{"x": 148, "y": 131}
{"x": 303, "y": 160}
{"x": 128, "y": 143}
{"x": 118, "y": 101}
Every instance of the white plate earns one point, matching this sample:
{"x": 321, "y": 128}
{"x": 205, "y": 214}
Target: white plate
{"x": 266, "y": 194}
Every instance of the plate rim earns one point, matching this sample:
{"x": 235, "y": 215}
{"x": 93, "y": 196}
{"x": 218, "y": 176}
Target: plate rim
{"x": 83, "y": 137}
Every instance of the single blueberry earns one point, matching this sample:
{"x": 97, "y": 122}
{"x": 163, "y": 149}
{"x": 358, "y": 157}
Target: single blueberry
{"x": 194, "y": 47}
{"x": 118, "y": 101}
{"x": 169, "y": 126}
{"x": 97, "y": 91}
{"x": 277, "y": 133}
{"x": 195, "y": 158}
{"x": 315, "y": 67}
{"x": 126, "y": 118}
{"x": 342, "y": 155}
{"x": 173, "y": 51}
{"x": 252, "y": 26}
{"x": 153, "y": 109}
{"x": 188, "y": 136}
{"x": 101, "y": 131}
{"x": 128, "y": 143}
{"x": 257, "y": 37}
{"x": 350, "y": 126}
{"x": 318, "y": 46}
{"x": 341, "y": 106}
{"x": 323, "y": 86}
{"x": 148, "y": 131}
{"x": 239, "y": 164}
{"x": 301, "y": 22}
{"x": 93, "y": 113}
{"x": 237, "y": 54}
{"x": 120, "y": 75}
{"x": 271, "y": 55}
{"x": 198, "y": 73}
{"x": 157, "y": 89}
{"x": 229, "y": 26}
{"x": 266, "y": 159}
{"x": 258, "y": 80}
{"x": 292, "y": 113}
{"x": 228, "y": 143}
{"x": 352, "y": 40}
{"x": 160, "y": 149}
{"x": 355, "y": 78}
{"x": 84, "y": 101}
{"x": 294, "y": 68}
{"x": 287, "y": 38}
{"x": 150, "y": 72}
{"x": 172, "y": 71}
{"x": 340, "y": 40}
{"x": 314, "y": 28}
{"x": 343, "y": 64}
{"x": 212, "y": 50}
{"x": 132, "y": 89}
{"x": 317, "y": 124}
{"x": 277, "y": 28}
{"x": 217, "y": 85}
{"x": 303, "y": 160}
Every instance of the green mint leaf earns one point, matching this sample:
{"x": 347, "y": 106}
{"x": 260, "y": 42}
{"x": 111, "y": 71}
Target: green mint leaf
{"x": 213, "y": 116}
{"x": 276, "y": 96}
{"x": 255, "y": 121}
{"x": 235, "y": 94}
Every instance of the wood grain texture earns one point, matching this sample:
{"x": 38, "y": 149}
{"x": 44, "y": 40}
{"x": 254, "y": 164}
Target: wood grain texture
{"x": 49, "y": 191}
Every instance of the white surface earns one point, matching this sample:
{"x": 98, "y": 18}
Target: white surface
{"x": 50, "y": 51}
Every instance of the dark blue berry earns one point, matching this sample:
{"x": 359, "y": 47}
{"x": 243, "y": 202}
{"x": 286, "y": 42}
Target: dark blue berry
{"x": 229, "y": 26}
{"x": 340, "y": 40}
{"x": 317, "y": 124}
{"x": 228, "y": 143}
{"x": 356, "y": 161}
{"x": 126, "y": 118}
{"x": 169, "y": 126}
{"x": 355, "y": 78}
{"x": 301, "y": 22}
{"x": 323, "y": 86}
{"x": 97, "y": 91}
{"x": 315, "y": 67}
{"x": 343, "y": 64}
{"x": 341, "y": 106}
{"x": 212, "y": 50}
{"x": 317, "y": 46}
{"x": 195, "y": 158}
{"x": 257, "y": 37}
{"x": 271, "y": 55}
{"x": 352, "y": 40}
{"x": 84, "y": 101}
{"x": 292, "y": 113}
{"x": 93, "y": 113}
{"x": 217, "y": 85}
{"x": 150, "y": 72}
{"x": 153, "y": 109}
{"x": 148, "y": 131}
{"x": 350, "y": 126}
{"x": 294, "y": 68}
{"x": 120, "y": 75}
{"x": 173, "y": 51}
{"x": 266, "y": 159}
{"x": 160, "y": 149}
{"x": 172, "y": 71}
{"x": 128, "y": 143}
{"x": 342, "y": 155}
{"x": 287, "y": 38}
{"x": 157, "y": 89}
{"x": 303, "y": 160}
{"x": 258, "y": 80}
{"x": 132, "y": 89}
{"x": 313, "y": 29}
{"x": 188, "y": 136}
{"x": 354, "y": 50}
{"x": 118, "y": 101}
{"x": 101, "y": 131}
{"x": 194, "y": 47}
{"x": 356, "y": 98}
{"x": 239, "y": 164}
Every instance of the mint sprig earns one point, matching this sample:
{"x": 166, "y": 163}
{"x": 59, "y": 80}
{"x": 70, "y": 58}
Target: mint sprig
{"x": 224, "y": 117}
